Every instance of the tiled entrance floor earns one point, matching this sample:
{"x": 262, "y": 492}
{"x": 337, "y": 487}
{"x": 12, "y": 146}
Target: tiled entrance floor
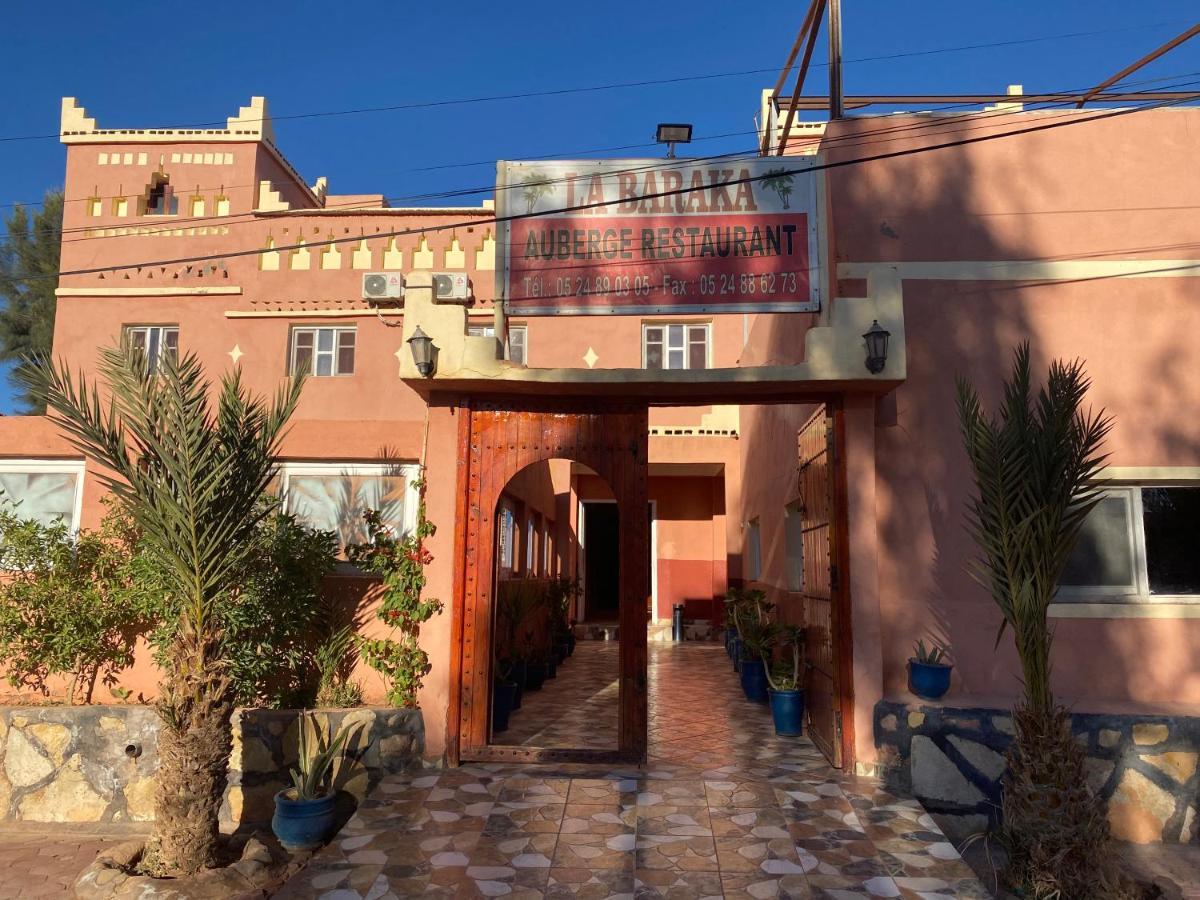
{"x": 723, "y": 809}
{"x": 577, "y": 708}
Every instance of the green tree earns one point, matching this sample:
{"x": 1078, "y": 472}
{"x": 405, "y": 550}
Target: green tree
{"x": 1036, "y": 466}
{"x": 190, "y": 462}
{"x": 65, "y": 602}
{"x": 28, "y": 277}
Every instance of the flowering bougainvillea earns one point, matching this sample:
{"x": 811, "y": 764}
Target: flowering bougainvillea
{"x": 401, "y": 563}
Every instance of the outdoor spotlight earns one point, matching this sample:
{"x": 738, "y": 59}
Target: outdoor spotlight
{"x": 672, "y": 134}
{"x": 876, "y": 339}
{"x": 423, "y": 352}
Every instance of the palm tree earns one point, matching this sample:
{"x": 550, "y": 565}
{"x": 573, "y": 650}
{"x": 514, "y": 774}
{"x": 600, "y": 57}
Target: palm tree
{"x": 1036, "y": 467}
{"x": 780, "y": 181}
{"x": 536, "y": 187}
{"x": 191, "y": 476}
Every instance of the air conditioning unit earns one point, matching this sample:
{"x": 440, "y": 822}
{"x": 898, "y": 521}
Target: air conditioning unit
{"x": 451, "y": 286}
{"x": 382, "y": 286}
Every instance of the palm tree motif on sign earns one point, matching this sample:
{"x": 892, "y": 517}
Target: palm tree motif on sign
{"x": 780, "y": 181}
{"x": 536, "y": 187}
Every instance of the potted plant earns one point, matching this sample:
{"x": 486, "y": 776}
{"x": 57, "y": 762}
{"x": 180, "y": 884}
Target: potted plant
{"x": 929, "y": 670}
{"x": 758, "y": 644}
{"x": 505, "y": 697}
{"x": 786, "y": 685}
{"x": 304, "y": 812}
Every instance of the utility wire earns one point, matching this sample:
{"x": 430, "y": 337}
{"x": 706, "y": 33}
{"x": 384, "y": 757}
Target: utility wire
{"x": 679, "y": 79}
{"x": 580, "y": 207}
{"x": 854, "y": 140}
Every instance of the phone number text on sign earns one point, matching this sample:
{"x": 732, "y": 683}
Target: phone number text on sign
{"x": 654, "y": 263}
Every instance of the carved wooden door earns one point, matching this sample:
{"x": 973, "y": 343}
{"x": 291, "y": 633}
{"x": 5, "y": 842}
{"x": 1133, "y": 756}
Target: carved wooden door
{"x": 827, "y": 627}
{"x": 497, "y": 440}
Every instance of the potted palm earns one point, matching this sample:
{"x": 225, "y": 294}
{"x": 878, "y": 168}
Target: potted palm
{"x": 758, "y": 643}
{"x": 304, "y": 812}
{"x": 929, "y": 670}
{"x": 785, "y": 681}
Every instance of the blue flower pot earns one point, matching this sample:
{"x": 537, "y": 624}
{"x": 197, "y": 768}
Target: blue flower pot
{"x": 730, "y": 634}
{"x": 535, "y": 676}
{"x": 552, "y": 667}
{"x": 302, "y": 824}
{"x": 929, "y": 682}
{"x": 754, "y": 680}
{"x": 504, "y": 694}
{"x": 518, "y": 677}
{"x": 736, "y": 655}
{"x": 787, "y": 710}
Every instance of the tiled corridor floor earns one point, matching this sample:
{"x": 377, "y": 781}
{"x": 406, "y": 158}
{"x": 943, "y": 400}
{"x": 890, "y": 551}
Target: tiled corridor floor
{"x": 724, "y": 808}
{"x": 577, "y": 708}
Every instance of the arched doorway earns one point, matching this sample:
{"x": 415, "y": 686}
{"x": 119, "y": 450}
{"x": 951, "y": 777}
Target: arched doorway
{"x": 556, "y": 683}
{"x": 496, "y": 442}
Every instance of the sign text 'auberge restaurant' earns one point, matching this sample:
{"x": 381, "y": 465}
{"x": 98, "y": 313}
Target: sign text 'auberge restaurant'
{"x": 657, "y": 236}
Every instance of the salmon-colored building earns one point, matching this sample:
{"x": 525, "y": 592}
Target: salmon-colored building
{"x": 740, "y": 446}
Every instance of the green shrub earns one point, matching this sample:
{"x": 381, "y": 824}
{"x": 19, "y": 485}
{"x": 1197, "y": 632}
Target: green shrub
{"x": 64, "y": 603}
{"x": 264, "y": 623}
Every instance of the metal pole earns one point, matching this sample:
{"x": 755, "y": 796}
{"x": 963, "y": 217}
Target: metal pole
{"x": 836, "y": 110}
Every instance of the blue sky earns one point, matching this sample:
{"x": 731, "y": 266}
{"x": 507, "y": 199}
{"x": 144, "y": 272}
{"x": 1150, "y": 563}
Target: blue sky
{"x": 133, "y": 64}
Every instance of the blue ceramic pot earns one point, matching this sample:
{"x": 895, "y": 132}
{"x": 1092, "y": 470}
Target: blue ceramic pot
{"x": 552, "y": 667}
{"x": 736, "y": 656}
{"x": 504, "y": 694}
{"x": 302, "y": 824}
{"x": 787, "y": 710}
{"x": 929, "y": 682}
{"x": 754, "y": 680}
{"x": 518, "y": 677}
{"x": 730, "y": 634}
{"x": 535, "y": 676}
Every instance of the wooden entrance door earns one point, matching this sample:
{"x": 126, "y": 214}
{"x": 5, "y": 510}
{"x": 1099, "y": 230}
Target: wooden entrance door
{"x": 495, "y": 442}
{"x": 828, "y": 627}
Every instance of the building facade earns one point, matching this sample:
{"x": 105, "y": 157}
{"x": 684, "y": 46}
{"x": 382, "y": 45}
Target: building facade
{"x": 961, "y": 234}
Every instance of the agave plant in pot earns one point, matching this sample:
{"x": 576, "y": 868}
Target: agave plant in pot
{"x": 929, "y": 670}
{"x": 304, "y": 813}
{"x": 786, "y": 682}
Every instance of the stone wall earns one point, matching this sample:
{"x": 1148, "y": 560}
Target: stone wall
{"x": 97, "y": 763}
{"x": 952, "y": 759}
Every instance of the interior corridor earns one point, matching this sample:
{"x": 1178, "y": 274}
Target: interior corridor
{"x": 724, "y": 808}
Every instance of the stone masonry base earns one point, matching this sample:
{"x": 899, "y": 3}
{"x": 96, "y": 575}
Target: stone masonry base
{"x": 97, "y": 763}
{"x": 952, "y": 759}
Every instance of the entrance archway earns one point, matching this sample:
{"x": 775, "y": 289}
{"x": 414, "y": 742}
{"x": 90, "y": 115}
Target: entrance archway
{"x": 496, "y": 441}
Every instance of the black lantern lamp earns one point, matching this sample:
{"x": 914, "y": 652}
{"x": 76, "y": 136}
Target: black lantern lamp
{"x": 877, "y": 346}
{"x": 423, "y": 352}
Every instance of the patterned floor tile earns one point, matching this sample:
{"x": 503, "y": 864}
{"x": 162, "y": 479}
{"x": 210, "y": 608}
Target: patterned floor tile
{"x": 723, "y": 808}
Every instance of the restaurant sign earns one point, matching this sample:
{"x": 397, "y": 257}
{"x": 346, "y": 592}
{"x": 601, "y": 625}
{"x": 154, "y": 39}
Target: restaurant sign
{"x": 658, "y": 236}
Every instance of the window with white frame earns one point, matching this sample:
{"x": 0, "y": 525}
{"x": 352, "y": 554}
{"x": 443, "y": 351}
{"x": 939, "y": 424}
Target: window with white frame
{"x": 675, "y": 346}
{"x": 156, "y": 342}
{"x": 322, "y": 351}
{"x": 530, "y": 531}
{"x": 1140, "y": 542}
{"x": 514, "y": 350}
{"x": 332, "y": 496}
{"x": 753, "y": 551}
{"x": 44, "y": 490}
{"x": 793, "y": 534}
{"x": 506, "y": 527}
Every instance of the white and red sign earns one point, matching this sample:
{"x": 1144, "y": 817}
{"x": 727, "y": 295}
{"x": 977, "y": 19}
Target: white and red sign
{"x": 658, "y": 236}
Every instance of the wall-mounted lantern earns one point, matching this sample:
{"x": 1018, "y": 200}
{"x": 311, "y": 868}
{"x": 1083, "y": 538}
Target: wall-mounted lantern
{"x": 423, "y": 351}
{"x": 876, "y": 339}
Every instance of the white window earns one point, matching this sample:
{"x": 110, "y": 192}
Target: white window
{"x": 514, "y": 351}
{"x": 322, "y": 351}
{"x": 506, "y": 526}
{"x": 793, "y": 529}
{"x": 156, "y": 342}
{"x": 547, "y": 569}
{"x": 44, "y": 490}
{"x": 753, "y": 551}
{"x": 529, "y": 557}
{"x": 679, "y": 346}
{"x": 332, "y": 496}
{"x": 1139, "y": 543}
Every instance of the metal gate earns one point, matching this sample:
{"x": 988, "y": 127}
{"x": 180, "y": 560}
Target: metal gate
{"x": 828, "y": 629}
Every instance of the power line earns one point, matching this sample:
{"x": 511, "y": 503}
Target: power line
{"x": 623, "y": 85}
{"x": 829, "y": 165}
{"x": 854, "y": 140}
